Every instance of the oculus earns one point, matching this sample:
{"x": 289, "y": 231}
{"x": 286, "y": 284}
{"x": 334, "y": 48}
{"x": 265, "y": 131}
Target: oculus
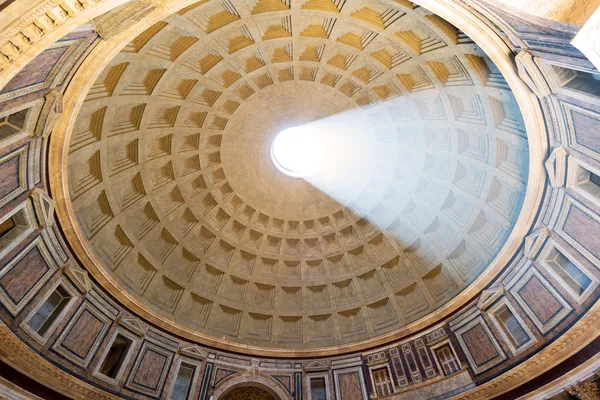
{"x": 299, "y": 151}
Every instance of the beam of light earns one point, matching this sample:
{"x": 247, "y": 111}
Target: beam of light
{"x": 340, "y": 155}
{"x": 381, "y": 163}
{"x": 355, "y": 160}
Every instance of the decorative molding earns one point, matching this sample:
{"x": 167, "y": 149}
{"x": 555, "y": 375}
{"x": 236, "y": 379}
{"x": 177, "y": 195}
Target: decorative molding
{"x": 28, "y": 283}
{"x": 38, "y": 26}
{"x": 120, "y": 18}
{"x": 150, "y": 369}
{"x": 316, "y": 365}
{"x": 193, "y": 351}
{"x": 75, "y": 342}
{"x": 536, "y": 74}
{"x": 9, "y": 390}
{"x": 135, "y": 325}
{"x": 532, "y": 276}
{"x": 535, "y": 242}
{"x": 353, "y": 373}
{"x": 324, "y": 376}
{"x": 549, "y": 262}
{"x": 505, "y": 334}
{"x": 494, "y": 351}
{"x": 25, "y": 214}
{"x": 50, "y": 113}
{"x": 44, "y": 208}
{"x": 22, "y": 158}
{"x": 582, "y": 372}
{"x": 18, "y": 355}
{"x": 586, "y": 390}
{"x": 568, "y": 206}
{"x": 556, "y": 166}
{"x": 488, "y": 297}
{"x": 79, "y": 277}
{"x": 269, "y": 384}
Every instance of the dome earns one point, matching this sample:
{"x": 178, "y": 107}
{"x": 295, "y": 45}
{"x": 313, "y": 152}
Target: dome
{"x": 177, "y": 198}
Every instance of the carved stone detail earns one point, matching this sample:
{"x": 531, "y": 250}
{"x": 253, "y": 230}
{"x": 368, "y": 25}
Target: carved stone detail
{"x": 536, "y": 74}
{"x": 193, "y": 351}
{"x": 44, "y": 208}
{"x": 135, "y": 325}
{"x": 39, "y": 22}
{"x": 556, "y": 166}
{"x": 534, "y": 243}
{"x": 51, "y": 112}
{"x": 316, "y": 365}
{"x": 488, "y": 297}
{"x": 79, "y": 277}
{"x": 111, "y": 23}
{"x": 586, "y": 390}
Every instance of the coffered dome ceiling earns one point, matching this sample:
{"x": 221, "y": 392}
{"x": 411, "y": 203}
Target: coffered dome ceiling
{"x": 173, "y": 188}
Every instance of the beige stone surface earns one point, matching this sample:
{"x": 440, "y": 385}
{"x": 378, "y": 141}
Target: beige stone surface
{"x": 171, "y": 181}
{"x": 567, "y": 11}
{"x": 245, "y": 150}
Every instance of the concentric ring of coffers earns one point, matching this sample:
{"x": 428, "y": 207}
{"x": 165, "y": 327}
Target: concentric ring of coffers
{"x": 171, "y": 186}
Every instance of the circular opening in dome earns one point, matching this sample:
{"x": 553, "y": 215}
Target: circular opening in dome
{"x": 298, "y": 151}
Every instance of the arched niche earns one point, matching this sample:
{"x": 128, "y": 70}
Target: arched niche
{"x": 241, "y": 383}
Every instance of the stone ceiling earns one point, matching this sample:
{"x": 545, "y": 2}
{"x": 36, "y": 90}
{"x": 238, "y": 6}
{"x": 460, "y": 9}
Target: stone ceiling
{"x": 172, "y": 186}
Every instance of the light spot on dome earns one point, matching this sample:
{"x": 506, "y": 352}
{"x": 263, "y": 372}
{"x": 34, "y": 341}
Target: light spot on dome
{"x": 298, "y": 151}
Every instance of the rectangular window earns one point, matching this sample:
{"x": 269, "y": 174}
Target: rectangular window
{"x": 589, "y": 182}
{"x": 14, "y": 228}
{"x": 595, "y": 179}
{"x": 13, "y": 123}
{"x": 584, "y": 180}
{"x": 45, "y": 316}
{"x": 183, "y": 382}
{"x": 584, "y": 82}
{"x": 6, "y": 227}
{"x": 382, "y": 381}
{"x": 318, "y": 389}
{"x": 113, "y": 361}
{"x": 570, "y": 273}
{"x": 512, "y": 327}
{"x": 446, "y": 358}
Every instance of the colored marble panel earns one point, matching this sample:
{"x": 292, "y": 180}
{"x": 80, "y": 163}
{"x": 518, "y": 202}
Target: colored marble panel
{"x": 350, "y": 388}
{"x": 540, "y": 300}
{"x": 222, "y": 374}
{"x": 479, "y": 345}
{"x": 285, "y": 380}
{"x": 37, "y": 70}
{"x": 24, "y": 275}
{"x": 583, "y": 229}
{"x": 586, "y": 130}
{"x": 9, "y": 176}
{"x": 83, "y": 334}
{"x": 150, "y": 369}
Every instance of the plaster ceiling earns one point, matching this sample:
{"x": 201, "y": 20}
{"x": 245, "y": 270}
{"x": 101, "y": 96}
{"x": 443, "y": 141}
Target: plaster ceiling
{"x": 173, "y": 188}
